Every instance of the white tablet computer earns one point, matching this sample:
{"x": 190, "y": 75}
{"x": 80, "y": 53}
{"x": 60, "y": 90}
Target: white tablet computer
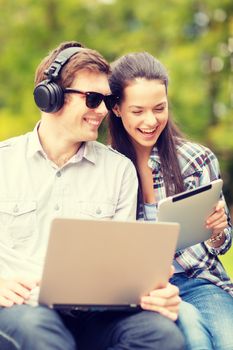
{"x": 191, "y": 209}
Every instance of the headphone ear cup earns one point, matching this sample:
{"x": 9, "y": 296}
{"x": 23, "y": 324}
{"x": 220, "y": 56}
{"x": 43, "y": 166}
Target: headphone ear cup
{"x": 58, "y": 95}
{"x": 49, "y": 96}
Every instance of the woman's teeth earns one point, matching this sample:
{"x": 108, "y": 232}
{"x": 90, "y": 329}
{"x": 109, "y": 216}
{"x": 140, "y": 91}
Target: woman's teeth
{"x": 147, "y": 131}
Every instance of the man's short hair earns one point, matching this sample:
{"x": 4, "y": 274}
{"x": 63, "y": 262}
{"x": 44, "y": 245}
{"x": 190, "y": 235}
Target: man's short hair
{"x": 87, "y": 59}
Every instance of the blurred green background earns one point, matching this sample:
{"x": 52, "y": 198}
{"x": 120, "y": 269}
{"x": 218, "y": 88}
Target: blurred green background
{"x": 194, "y": 39}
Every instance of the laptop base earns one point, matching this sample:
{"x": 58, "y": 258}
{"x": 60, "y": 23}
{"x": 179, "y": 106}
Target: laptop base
{"x": 77, "y": 308}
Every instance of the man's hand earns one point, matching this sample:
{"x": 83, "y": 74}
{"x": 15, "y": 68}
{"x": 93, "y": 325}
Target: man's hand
{"x": 164, "y": 300}
{"x": 15, "y": 291}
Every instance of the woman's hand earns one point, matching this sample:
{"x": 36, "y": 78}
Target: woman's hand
{"x": 15, "y": 291}
{"x": 217, "y": 221}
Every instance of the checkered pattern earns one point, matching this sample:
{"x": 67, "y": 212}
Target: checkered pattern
{"x": 198, "y": 166}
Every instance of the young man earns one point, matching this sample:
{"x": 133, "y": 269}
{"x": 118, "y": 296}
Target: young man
{"x": 59, "y": 170}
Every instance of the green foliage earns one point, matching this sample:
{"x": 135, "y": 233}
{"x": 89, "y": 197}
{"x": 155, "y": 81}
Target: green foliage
{"x": 193, "y": 39}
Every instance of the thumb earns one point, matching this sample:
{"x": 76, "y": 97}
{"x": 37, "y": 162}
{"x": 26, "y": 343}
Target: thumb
{"x": 172, "y": 270}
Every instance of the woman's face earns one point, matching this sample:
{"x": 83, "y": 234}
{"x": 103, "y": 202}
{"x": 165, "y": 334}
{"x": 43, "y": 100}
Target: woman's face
{"x": 144, "y": 111}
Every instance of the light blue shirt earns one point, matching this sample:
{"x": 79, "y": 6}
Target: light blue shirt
{"x": 96, "y": 183}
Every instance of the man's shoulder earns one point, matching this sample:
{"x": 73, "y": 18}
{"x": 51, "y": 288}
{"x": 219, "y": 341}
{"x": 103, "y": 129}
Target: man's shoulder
{"x": 112, "y": 158}
{"x": 9, "y": 144}
{"x": 108, "y": 150}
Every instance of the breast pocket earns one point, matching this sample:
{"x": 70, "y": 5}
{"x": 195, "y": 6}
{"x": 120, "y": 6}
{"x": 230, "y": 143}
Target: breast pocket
{"x": 17, "y": 221}
{"x": 96, "y": 210}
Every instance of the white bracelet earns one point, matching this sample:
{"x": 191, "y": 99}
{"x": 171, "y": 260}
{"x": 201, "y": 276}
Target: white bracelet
{"x": 218, "y": 237}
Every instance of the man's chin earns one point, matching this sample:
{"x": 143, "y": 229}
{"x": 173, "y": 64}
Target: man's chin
{"x": 91, "y": 137}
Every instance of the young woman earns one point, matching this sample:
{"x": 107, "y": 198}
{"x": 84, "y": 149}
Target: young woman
{"x": 141, "y": 128}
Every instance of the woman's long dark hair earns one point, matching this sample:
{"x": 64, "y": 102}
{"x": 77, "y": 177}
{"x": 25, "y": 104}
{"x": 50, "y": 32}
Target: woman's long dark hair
{"x": 124, "y": 71}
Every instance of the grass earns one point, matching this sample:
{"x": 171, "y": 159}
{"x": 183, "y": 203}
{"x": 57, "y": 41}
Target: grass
{"x": 227, "y": 261}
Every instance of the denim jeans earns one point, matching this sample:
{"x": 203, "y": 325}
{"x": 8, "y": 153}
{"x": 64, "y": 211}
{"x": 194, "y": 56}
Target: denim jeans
{"x": 212, "y": 314}
{"x": 190, "y": 322}
{"x": 35, "y": 328}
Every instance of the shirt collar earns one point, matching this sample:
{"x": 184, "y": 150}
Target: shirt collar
{"x": 34, "y": 145}
{"x": 90, "y": 151}
{"x": 87, "y": 150}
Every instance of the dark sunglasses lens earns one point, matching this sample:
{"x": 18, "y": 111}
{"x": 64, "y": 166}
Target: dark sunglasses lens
{"x": 110, "y": 101}
{"x": 93, "y": 99}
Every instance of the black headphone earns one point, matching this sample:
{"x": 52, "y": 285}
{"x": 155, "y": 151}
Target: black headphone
{"x": 48, "y": 95}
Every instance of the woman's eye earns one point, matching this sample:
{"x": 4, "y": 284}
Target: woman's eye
{"x": 137, "y": 112}
{"x": 159, "y": 110}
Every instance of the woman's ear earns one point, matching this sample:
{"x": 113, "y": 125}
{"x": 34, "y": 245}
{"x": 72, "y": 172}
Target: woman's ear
{"x": 116, "y": 111}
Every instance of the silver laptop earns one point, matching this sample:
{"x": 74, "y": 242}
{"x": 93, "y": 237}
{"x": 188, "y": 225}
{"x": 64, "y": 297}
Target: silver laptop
{"x": 93, "y": 265}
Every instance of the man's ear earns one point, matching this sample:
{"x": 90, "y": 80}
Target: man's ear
{"x": 116, "y": 111}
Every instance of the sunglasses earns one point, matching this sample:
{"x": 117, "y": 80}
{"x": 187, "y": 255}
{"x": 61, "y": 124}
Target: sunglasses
{"x": 94, "y": 99}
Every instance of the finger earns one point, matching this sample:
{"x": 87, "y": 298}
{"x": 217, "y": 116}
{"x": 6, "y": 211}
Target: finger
{"x": 218, "y": 224}
{"x": 171, "y": 315}
{"x": 8, "y": 294}
{"x": 161, "y": 302}
{"x": 18, "y": 289}
{"x": 15, "y": 298}
{"x": 172, "y": 270}
{"x": 27, "y": 283}
{"x": 174, "y": 309}
{"x": 215, "y": 215}
{"x": 169, "y": 291}
{"x": 5, "y": 302}
{"x": 216, "y": 219}
{"x": 218, "y": 227}
{"x": 220, "y": 205}
{"x": 163, "y": 311}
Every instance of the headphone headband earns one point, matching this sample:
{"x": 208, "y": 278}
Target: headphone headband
{"x": 54, "y": 70}
{"x": 48, "y": 95}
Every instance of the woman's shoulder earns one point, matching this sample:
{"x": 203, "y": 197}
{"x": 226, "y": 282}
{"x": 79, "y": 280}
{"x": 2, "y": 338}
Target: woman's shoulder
{"x": 194, "y": 156}
{"x": 188, "y": 148}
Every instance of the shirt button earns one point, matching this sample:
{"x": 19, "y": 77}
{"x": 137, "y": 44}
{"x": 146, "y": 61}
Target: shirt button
{"x": 58, "y": 174}
{"x": 98, "y": 211}
{"x": 56, "y": 207}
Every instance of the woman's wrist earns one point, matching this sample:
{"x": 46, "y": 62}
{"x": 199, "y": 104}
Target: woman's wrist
{"x": 217, "y": 240}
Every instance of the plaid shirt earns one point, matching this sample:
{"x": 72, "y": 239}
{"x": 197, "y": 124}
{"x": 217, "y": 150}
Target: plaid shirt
{"x": 198, "y": 166}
